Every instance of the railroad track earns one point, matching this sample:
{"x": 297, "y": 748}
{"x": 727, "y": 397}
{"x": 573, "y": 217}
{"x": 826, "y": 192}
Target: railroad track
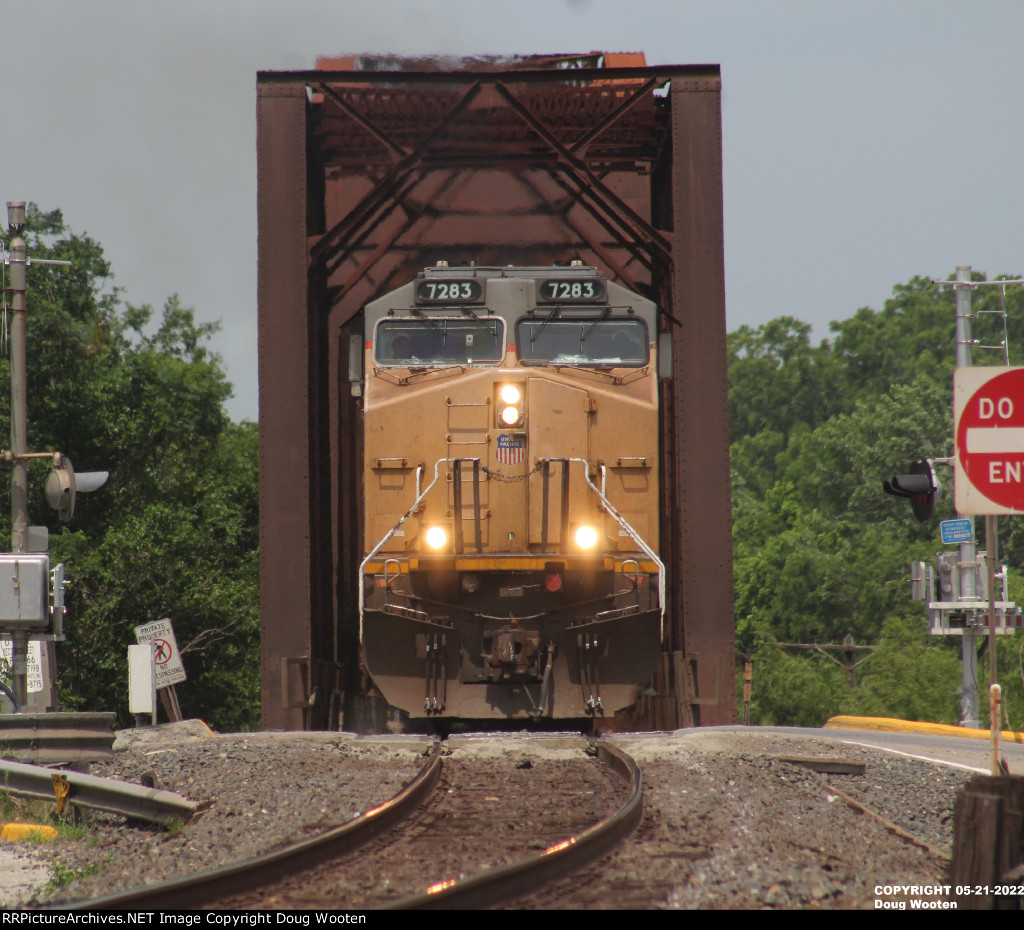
{"x": 464, "y": 833}
{"x": 209, "y": 886}
{"x": 498, "y": 885}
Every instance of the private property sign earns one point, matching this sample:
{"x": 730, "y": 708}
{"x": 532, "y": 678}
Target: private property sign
{"x": 988, "y": 413}
{"x": 166, "y": 658}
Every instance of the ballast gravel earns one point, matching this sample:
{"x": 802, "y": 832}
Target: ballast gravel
{"x": 727, "y": 825}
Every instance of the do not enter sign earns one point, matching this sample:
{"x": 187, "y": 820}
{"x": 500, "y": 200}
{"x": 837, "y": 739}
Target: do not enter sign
{"x": 988, "y": 409}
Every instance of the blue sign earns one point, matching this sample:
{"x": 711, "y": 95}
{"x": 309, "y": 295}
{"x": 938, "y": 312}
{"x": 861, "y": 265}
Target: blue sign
{"x": 957, "y": 531}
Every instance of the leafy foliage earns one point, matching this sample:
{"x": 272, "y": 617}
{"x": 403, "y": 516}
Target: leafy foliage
{"x": 819, "y": 551}
{"x": 174, "y": 531}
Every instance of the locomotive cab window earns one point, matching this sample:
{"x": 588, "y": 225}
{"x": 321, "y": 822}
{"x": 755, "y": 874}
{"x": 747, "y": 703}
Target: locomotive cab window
{"x": 439, "y": 340}
{"x": 593, "y": 342}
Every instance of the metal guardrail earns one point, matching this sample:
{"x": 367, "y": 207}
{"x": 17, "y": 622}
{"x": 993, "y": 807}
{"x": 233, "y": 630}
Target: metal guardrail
{"x": 105, "y": 794}
{"x": 58, "y": 737}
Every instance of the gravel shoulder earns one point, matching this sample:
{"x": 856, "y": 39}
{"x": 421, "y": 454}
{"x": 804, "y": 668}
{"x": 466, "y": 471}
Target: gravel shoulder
{"x": 727, "y": 824}
{"x": 730, "y": 825}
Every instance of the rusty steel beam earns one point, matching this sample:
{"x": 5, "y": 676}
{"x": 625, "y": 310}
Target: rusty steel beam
{"x": 368, "y": 125}
{"x": 577, "y": 167}
{"x": 697, "y": 430}
{"x": 295, "y": 580}
{"x": 575, "y": 77}
{"x": 606, "y": 256}
{"x": 574, "y": 186}
{"x": 370, "y": 204}
{"x": 580, "y": 146}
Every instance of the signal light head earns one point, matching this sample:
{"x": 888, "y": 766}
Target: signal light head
{"x": 922, "y": 486}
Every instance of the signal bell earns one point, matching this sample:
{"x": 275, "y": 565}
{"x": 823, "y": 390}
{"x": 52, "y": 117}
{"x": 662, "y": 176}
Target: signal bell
{"x": 62, "y": 485}
{"x": 921, "y": 486}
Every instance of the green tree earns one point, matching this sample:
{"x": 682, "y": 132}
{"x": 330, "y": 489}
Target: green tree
{"x": 777, "y": 380}
{"x": 174, "y": 531}
{"x": 819, "y": 550}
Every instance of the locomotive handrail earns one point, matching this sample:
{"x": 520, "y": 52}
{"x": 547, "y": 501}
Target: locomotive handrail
{"x": 393, "y": 530}
{"x": 633, "y": 534}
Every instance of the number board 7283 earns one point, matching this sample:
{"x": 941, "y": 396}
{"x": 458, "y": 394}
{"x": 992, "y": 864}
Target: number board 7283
{"x": 450, "y": 291}
{"x": 571, "y": 290}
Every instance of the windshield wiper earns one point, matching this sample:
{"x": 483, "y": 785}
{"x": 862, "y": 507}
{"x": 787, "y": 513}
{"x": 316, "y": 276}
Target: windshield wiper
{"x": 604, "y": 316}
{"x": 490, "y": 327}
{"x": 426, "y": 319}
{"x": 554, "y": 313}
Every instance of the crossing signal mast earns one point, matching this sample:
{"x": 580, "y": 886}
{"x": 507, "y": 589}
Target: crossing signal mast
{"x": 31, "y": 593}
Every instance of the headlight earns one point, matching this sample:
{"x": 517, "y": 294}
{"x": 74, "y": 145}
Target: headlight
{"x": 510, "y": 394}
{"x": 509, "y": 405}
{"x": 436, "y": 537}
{"x": 586, "y": 537}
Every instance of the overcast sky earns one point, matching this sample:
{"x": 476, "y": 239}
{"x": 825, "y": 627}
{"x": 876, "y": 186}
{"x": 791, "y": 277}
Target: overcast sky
{"x": 865, "y": 141}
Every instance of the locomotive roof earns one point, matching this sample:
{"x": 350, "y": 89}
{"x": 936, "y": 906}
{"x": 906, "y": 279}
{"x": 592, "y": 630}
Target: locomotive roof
{"x": 510, "y": 271}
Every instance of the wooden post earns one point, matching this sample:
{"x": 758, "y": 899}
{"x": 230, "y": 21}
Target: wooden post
{"x": 748, "y": 679}
{"x": 169, "y": 700}
{"x": 684, "y": 689}
{"x": 988, "y": 841}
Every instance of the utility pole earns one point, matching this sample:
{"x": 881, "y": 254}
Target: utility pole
{"x": 968, "y": 559}
{"x": 28, "y": 558}
{"x": 19, "y": 430}
{"x": 847, "y": 647}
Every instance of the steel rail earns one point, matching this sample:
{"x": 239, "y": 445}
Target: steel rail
{"x": 207, "y": 887}
{"x": 105, "y": 794}
{"x": 506, "y": 883}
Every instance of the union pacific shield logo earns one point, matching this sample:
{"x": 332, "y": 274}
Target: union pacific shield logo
{"x": 511, "y": 450}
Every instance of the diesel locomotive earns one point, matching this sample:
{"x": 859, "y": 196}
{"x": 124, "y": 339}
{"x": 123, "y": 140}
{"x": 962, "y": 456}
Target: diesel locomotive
{"x": 510, "y": 494}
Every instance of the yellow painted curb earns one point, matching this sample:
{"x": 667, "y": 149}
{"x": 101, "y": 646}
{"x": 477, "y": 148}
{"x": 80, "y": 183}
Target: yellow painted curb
{"x": 891, "y": 725}
{"x": 14, "y": 832}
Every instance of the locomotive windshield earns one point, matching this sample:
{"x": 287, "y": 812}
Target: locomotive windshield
{"x": 439, "y": 340}
{"x": 580, "y": 341}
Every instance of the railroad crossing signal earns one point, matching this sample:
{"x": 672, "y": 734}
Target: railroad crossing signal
{"x": 988, "y": 409}
{"x": 63, "y": 485}
{"x": 922, "y": 486}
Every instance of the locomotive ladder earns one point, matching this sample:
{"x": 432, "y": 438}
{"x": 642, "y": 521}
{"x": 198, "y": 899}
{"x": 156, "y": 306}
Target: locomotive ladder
{"x": 471, "y": 432}
{"x": 457, "y": 504}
